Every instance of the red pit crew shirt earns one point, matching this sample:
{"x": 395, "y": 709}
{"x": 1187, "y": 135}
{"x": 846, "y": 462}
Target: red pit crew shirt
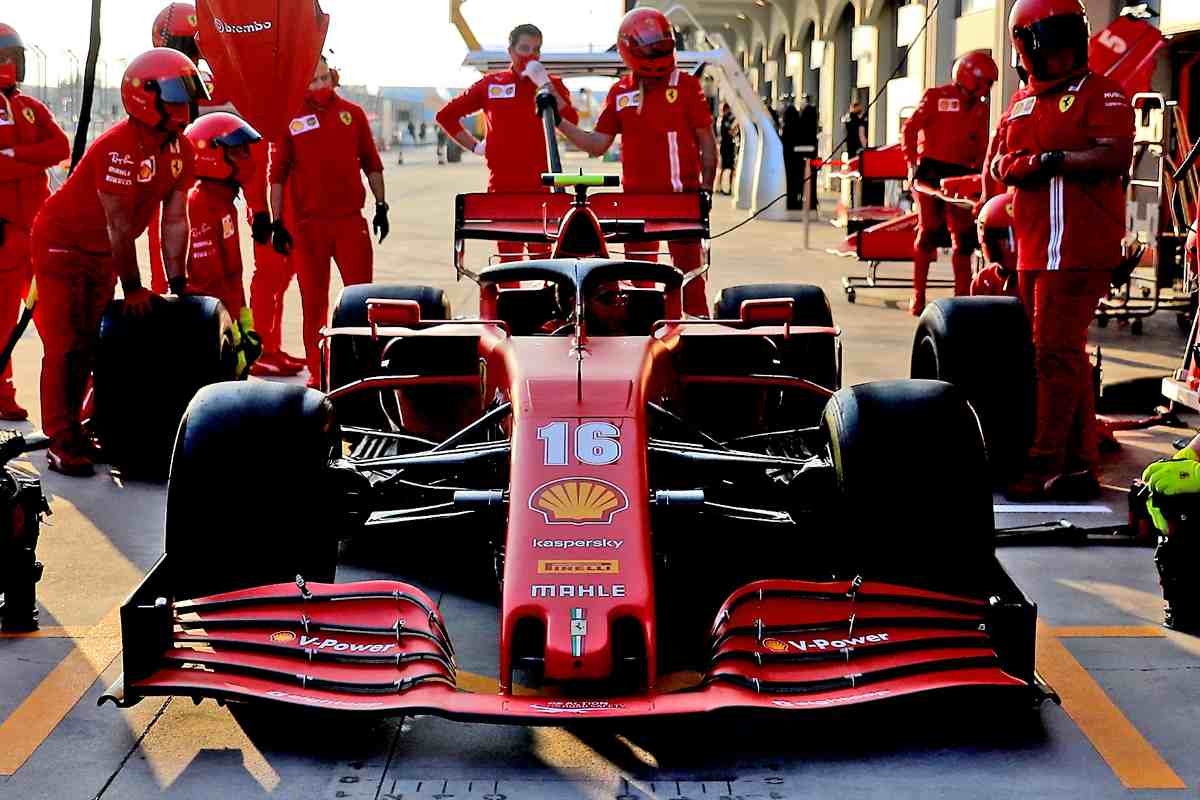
{"x": 128, "y": 160}
{"x": 321, "y": 158}
{"x": 215, "y": 259}
{"x": 516, "y": 150}
{"x": 944, "y": 129}
{"x": 658, "y": 127}
{"x": 1070, "y": 221}
{"x": 27, "y": 128}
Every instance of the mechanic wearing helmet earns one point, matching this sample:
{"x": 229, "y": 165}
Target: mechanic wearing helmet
{"x": 667, "y": 141}
{"x": 176, "y": 27}
{"x": 327, "y": 146}
{"x": 83, "y": 239}
{"x": 996, "y": 240}
{"x": 30, "y": 143}
{"x": 947, "y": 137}
{"x": 223, "y": 161}
{"x": 1066, "y": 148}
{"x": 516, "y": 157}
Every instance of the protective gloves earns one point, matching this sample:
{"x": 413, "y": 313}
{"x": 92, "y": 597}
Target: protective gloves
{"x": 260, "y": 227}
{"x": 480, "y": 148}
{"x": 380, "y": 224}
{"x": 3, "y": 222}
{"x": 536, "y": 72}
{"x": 281, "y": 240}
{"x": 246, "y": 341}
{"x": 177, "y": 286}
{"x": 547, "y": 98}
{"x": 1169, "y": 478}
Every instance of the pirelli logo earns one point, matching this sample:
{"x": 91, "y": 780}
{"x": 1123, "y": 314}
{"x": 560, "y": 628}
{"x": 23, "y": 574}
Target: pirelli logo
{"x": 579, "y": 567}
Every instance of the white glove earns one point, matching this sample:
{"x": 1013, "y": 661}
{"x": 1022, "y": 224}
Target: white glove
{"x": 480, "y": 148}
{"x": 8, "y": 152}
{"x": 536, "y": 73}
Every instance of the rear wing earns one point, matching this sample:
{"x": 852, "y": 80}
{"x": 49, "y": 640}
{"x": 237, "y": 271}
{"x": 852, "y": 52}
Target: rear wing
{"x": 538, "y": 216}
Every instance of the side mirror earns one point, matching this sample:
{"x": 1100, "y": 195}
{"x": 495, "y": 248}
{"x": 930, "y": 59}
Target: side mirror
{"x": 768, "y": 311}
{"x": 392, "y": 313}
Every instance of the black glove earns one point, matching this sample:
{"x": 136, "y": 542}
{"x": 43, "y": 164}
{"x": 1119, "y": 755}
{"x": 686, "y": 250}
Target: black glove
{"x": 547, "y": 98}
{"x": 3, "y": 222}
{"x": 380, "y": 224}
{"x": 281, "y": 240}
{"x": 260, "y": 227}
{"x": 177, "y": 286}
{"x": 1051, "y": 162}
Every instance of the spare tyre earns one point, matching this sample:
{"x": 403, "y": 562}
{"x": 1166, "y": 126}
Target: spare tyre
{"x": 983, "y": 345}
{"x": 352, "y": 358}
{"x": 147, "y": 371}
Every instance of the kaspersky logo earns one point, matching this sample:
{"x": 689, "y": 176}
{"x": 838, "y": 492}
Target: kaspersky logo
{"x": 250, "y": 27}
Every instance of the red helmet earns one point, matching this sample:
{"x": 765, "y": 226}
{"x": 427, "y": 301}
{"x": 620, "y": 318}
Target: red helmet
{"x": 175, "y": 27}
{"x": 995, "y": 223}
{"x": 214, "y": 136}
{"x": 646, "y": 42}
{"x": 159, "y": 88}
{"x": 11, "y": 40}
{"x": 1041, "y": 26}
{"x": 976, "y": 72}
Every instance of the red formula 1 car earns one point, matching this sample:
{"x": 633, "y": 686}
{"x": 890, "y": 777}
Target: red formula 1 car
{"x": 684, "y": 515}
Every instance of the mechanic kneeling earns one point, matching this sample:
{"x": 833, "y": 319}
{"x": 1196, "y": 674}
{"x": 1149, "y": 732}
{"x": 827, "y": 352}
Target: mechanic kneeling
{"x": 1173, "y": 505}
{"x": 1066, "y": 146}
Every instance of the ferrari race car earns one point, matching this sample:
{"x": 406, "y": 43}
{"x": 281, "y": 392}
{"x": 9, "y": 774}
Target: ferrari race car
{"x": 680, "y": 514}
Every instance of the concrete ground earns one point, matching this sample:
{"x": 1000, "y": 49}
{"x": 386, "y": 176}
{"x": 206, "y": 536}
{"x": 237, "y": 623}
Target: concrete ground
{"x": 1131, "y": 699}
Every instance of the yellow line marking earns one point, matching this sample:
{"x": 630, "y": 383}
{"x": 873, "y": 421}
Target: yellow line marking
{"x": 35, "y": 719}
{"x": 1110, "y": 632}
{"x": 1132, "y": 759}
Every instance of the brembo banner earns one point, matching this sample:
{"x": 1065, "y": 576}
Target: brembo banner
{"x": 262, "y": 54}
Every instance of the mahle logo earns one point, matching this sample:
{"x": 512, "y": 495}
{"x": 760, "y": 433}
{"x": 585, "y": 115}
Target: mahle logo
{"x": 250, "y": 27}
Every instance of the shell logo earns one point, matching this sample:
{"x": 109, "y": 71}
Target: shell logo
{"x": 578, "y": 501}
{"x": 774, "y": 645}
{"x": 296, "y": 126}
{"x": 283, "y": 636}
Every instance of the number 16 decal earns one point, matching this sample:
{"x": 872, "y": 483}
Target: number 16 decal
{"x": 596, "y": 443}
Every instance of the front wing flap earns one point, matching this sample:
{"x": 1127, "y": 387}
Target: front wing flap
{"x": 382, "y": 647}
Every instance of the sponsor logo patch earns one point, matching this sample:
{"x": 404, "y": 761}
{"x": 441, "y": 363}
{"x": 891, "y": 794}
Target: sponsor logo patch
{"x": 500, "y": 91}
{"x": 579, "y": 590}
{"x": 576, "y": 706}
{"x": 567, "y": 544}
{"x": 578, "y": 501}
{"x": 304, "y": 124}
{"x": 345, "y": 117}
{"x": 29, "y": 116}
{"x": 147, "y": 170}
{"x": 586, "y": 566}
{"x": 628, "y": 100}
{"x": 4, "y": 118}
{"x": 578, "y": 630}
{"x": 1023, "y": 108}
{"x": 949, "y": 104}
{"x": 807, "y": 645}
{"x": 774, "y": 645}
{"x": 672, "y": 94}
{"x": 283, "y": 636}
{"x": 176, "y": 167}
{"x": 317, "y": 643}
{"x": 120, "y": 159}
{"x": 227, "y": 228}
{"x": 250, "y": 27}
{"x": 1064, "y": 104}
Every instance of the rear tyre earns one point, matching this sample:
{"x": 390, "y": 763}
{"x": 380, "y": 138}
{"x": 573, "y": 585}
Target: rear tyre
{"x": 223, "y": 531}
{"x": 352, "y": 358}
{"x": 983, "y": 346}
{"x": 914, "y": 502}
{"x": 811, "y": 357}
{"x": 147, "y": 371}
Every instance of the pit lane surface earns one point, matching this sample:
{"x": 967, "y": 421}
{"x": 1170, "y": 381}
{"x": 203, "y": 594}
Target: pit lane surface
{"x": 1130, "y": 690}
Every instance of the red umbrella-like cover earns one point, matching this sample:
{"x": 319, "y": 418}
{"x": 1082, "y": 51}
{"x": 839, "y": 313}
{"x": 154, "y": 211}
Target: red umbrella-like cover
{"x": 262, "y": 54}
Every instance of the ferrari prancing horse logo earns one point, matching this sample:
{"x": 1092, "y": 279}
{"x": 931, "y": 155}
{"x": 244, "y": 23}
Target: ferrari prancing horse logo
{"x": 672, "y": 94}
{"x": 345, "y": 117}
{"x": 176, "y": 167}
{"x": 29, "y": 117}
{"x": 1064, "y": 105}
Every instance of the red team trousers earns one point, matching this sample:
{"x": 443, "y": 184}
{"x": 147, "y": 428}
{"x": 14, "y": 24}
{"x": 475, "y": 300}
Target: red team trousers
{"x": 15, "y": 273}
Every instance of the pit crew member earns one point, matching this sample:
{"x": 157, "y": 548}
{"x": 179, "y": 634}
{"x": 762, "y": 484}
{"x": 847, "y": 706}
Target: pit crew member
{"x": 515, "y": 156}
{"x": 319, "y": 161}
{"x": 667, "y": 141}
{"x": 30, "y": 143}
{"x": 83, "y": 238}
{"x": 1066, "y": 149}
{"x": 214, "y": 267}
{"x": 947, "y": 137}
{"x": 1170, "y": 481}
